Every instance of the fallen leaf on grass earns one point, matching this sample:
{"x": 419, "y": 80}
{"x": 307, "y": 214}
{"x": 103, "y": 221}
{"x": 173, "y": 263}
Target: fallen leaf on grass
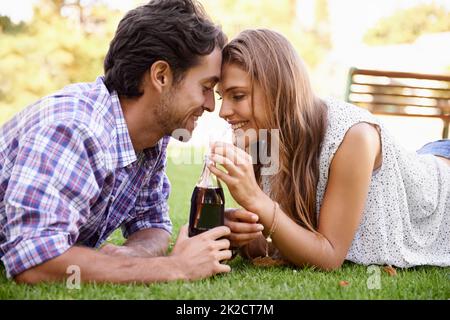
{"x": 390, "y": 270}
{"x": 268, "y": 262}
{"x": 343, "y": 283}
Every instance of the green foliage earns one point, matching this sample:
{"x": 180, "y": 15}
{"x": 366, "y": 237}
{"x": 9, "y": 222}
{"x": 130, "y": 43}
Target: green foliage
{"x": 407, "y": 25}
{"x": 7, "y": 26}
{"x": 50, "y": 53}
{"x": 236, "y": 16}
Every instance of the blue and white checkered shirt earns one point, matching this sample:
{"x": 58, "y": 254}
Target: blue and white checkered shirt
{"x": 69, "y": 175}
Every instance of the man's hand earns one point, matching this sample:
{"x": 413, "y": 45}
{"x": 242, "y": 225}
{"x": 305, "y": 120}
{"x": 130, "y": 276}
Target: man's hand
{"x": 243, "y": 225}
{"x": 200, "y": 256}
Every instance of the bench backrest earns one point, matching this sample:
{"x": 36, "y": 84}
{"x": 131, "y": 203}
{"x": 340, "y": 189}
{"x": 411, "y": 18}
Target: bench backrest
{"x": 401, "y": 94}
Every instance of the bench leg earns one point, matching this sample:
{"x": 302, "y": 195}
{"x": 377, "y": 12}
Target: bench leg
{"x": 445, "y": 130}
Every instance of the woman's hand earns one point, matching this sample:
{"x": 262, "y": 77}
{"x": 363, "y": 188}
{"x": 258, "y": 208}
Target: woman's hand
{"x": 239, "y": 175}
{"x": 243, "y": 225}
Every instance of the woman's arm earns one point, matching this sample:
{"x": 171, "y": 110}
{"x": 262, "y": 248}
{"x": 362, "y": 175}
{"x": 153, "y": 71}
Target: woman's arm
{"x": 342, "y": 206}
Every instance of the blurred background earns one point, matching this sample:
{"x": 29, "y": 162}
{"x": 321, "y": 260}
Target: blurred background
{"x": 47, "y": 44}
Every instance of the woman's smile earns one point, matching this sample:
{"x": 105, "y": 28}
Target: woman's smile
{"x": 238, "y": 125}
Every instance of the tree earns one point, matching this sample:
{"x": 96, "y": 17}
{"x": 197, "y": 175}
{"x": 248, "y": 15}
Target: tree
{"x": 51, "y": 52}
{"x": 7, "y": 26}
{"x": 280, "y": 16}
{"x": 405, "y": 26}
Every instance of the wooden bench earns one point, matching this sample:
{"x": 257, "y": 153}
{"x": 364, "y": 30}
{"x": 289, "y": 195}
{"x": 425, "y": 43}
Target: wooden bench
{"x": 401, "y": 94}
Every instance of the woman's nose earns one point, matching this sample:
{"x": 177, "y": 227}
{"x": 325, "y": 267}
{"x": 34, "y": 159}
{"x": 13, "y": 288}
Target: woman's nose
{"x": 225, "y": 110}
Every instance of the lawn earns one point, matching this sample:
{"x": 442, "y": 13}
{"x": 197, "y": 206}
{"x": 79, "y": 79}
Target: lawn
{"x": 247, "y": 281}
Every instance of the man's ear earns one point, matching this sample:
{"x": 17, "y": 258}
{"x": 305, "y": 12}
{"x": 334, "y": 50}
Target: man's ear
{"x": 160, "y": 75}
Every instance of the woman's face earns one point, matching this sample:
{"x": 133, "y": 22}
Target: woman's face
{"x": 235, "y": 90}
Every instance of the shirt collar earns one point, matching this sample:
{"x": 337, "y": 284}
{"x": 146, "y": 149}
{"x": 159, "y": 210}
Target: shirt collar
{"x": 125, "y": 151}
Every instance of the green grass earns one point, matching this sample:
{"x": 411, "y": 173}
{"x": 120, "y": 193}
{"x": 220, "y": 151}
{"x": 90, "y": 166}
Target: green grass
{"x": 247, "y": 281}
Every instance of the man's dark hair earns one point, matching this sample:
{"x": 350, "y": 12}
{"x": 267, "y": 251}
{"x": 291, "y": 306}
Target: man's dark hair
{"x": 176, "y": 31}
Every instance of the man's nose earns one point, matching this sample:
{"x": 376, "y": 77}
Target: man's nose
{"x": 210, "y": 103}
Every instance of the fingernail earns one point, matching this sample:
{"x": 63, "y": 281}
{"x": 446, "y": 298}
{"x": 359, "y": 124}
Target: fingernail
{"x": 255, "y": 217}
{"x": 260, "y": 227}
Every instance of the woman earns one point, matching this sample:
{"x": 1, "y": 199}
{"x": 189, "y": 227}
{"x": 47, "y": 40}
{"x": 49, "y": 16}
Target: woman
{"x": 344, "y": 189}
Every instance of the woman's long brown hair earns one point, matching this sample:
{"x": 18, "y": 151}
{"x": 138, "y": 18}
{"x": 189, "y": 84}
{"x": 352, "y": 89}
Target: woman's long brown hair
{"x": 290, "y": 106}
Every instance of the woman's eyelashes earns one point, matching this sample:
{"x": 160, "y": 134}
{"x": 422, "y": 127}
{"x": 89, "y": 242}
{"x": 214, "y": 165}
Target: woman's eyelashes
{"x": 238, "y": 97}
{"x": 234, "y": 97}
{"x": 231, "y": 95}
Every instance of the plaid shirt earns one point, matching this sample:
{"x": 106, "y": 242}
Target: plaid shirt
{"x": 69, "y": 175}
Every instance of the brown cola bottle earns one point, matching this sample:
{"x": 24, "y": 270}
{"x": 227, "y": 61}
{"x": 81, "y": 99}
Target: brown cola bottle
{"x": 207, "y": 203}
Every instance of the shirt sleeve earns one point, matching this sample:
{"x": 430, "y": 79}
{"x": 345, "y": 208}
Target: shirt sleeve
{"x": 52, "y": 185}
{"x": 152, "y": 209}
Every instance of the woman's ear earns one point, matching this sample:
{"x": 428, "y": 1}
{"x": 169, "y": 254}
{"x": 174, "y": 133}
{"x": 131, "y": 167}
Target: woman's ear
{"x": 160, "y": 75}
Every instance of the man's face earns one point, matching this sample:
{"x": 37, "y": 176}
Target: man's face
{"x": 184, "y": 103}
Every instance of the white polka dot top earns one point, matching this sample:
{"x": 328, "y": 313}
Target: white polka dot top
{"x": 406, "y": 219}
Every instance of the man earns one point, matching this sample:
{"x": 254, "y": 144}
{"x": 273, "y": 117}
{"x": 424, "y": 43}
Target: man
{"x": 80, "y": 163}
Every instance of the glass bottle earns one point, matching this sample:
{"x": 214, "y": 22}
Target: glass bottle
{"x": 207, "y": 203}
